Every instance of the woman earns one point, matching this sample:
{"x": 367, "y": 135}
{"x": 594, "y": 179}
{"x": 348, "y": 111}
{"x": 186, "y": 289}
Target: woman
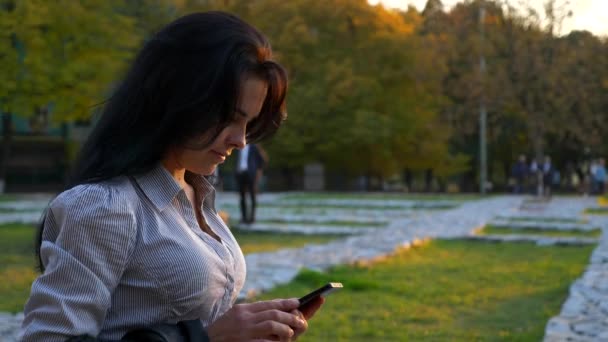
{"x": 135, "y": 240}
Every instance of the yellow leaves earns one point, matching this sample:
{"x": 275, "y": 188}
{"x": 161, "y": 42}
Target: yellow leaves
{"x": 68, "y": 52}
{"x": 392, "y": 21}
{"x": 491, "y": 19}
{"x": 298, "y": 27}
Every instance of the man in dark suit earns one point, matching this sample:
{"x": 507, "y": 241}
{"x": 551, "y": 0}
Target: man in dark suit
{"x": 252, "y": 159}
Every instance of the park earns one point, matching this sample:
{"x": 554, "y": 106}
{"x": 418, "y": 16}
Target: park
{"x": 437, "y": 268}
{"x": 444, "y": 161}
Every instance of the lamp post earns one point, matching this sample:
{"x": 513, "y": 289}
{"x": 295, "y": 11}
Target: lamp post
{"x": 483, "y": 162}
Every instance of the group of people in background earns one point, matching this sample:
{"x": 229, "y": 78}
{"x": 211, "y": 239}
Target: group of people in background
{"x": 543, "y": 177}
{"x": 590, "y": 177}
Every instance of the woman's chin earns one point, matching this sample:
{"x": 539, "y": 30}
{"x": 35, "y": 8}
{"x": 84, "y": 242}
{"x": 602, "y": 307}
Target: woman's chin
{"x": 204, "y": 171}
{"x": 208, "y": 171}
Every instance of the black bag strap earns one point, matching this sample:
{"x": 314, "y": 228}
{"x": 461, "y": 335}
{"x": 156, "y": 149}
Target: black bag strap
{"x": 185, "y": 331}
{"x": 194, "y": 332}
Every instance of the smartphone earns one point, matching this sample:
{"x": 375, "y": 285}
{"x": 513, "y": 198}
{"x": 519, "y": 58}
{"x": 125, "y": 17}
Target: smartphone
{"x": 321, "y": 291}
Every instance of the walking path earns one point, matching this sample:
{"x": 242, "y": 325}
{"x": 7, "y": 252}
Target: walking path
{"x": 583, "y": 316}
{"x": 266, "y": 270}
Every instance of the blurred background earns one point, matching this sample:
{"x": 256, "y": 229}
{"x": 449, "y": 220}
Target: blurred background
{"x": 402, "y": 96}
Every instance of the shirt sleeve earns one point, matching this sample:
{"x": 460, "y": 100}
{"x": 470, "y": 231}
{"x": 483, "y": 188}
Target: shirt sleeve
{"x": 88, "y": 236}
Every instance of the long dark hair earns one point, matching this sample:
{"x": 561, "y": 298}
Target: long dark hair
{"x": 185, "y": 82}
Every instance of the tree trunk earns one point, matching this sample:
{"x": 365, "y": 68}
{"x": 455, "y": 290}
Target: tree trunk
{"x": 428, "y": 180}
{"x": 506, "y": 167}
{"x": 7, "y": 137}
{"x": 288, "y": 177}
{"x": 368, "y": 182}
{"x": 407, "y": 178}
{"x": 538, "y": 151}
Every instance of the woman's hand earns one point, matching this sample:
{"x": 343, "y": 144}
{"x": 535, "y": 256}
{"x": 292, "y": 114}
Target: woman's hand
{"x": 307, "y": 312}
{"x": 311, "y": 308}
{"x": 274, "y": 320}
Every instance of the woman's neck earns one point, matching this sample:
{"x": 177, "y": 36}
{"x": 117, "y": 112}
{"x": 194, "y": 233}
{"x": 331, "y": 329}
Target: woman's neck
{"x": 177, "y": 173}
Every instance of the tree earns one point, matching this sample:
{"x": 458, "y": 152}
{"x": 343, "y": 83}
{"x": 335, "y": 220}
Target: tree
{"x": 359, "y": 99}
{"x": 62, "y": 56}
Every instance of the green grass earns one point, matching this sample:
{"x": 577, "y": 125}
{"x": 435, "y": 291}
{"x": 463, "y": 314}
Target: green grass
{"x": 14, "y": 211}
{"x": 17, "y": 265}
{"x": 328, "y": 223}
{"x": 349, "y": 207}
{"x": 8, "y": 198}
{"x": 597, "y": 211}
{"x": 323, "y": 206}
{"x": 490, "y": 230}
{"x": 383, "y": 196}
{"x": 255, "y": 242}
{"x": 543, "y": 219}
{"x": 445, "y": 291}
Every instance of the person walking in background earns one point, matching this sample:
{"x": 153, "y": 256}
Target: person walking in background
{"x": 251, "y": 161}
{"x": 600, "y": 176}
{"x": 533, "y": 177}
{"x": 593, "y": 177}
{"x": 547, "y": 170}
{"x": 519, "y": 173}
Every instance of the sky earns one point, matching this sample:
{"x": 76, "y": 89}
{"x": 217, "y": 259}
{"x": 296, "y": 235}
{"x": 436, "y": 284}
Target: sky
{"x": 590, "y": 15}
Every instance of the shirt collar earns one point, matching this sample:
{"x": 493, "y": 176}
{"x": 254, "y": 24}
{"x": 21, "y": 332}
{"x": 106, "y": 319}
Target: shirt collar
{"x": 161, "y": 188}
{"x": 203, "y": 188}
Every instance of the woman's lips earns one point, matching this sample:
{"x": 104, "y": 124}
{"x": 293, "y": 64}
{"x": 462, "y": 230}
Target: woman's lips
{"x": 220, "y": 156}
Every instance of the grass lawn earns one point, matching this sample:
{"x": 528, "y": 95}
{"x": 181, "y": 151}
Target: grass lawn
{"x": 17, "y": 260}
{"x": 597, "y": 211}
{"x": 445, "y": 291}
{"x": 349, "y": 207}
{"x": 328, "y": 223}
{"x": 15, "y": 211}
{"x": 284, "y": 205}
{"x": 255, "y": 242}
{"x": 489, "y": 229}
{"x": 8, "y": 198}
{"x": 386, "y": 196}
{"x": 17, "y": 265}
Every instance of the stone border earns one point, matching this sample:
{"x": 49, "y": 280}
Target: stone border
{"x": 538, "y": 239}
{"x": 374, "y": 214}
{"x": 320, "y": 219}
{"x": 564, "y": 226}
{"x": 305, "y": 229}
{"x": 584, "y": 314}
{"x": 21, "y": 217}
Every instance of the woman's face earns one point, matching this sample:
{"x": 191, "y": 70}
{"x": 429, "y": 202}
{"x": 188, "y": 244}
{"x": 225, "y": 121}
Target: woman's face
{"x": 204, "y": 162}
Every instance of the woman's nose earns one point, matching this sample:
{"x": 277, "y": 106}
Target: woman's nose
{"x": 238, "y": 138}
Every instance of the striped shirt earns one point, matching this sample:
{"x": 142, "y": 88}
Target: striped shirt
{"x": 128, "y": 253}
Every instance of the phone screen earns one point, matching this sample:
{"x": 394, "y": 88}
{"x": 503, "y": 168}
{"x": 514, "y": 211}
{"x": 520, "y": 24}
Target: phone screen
{"x": 322, "y": 291}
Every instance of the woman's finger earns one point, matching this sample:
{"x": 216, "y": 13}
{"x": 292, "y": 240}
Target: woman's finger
{"x": 311, "y": 307}
{"x": 293, "y": 320}
{"x": 268, "y": 329}
{"x": 299, "y": 331}
{"x": 276, "y": 304}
